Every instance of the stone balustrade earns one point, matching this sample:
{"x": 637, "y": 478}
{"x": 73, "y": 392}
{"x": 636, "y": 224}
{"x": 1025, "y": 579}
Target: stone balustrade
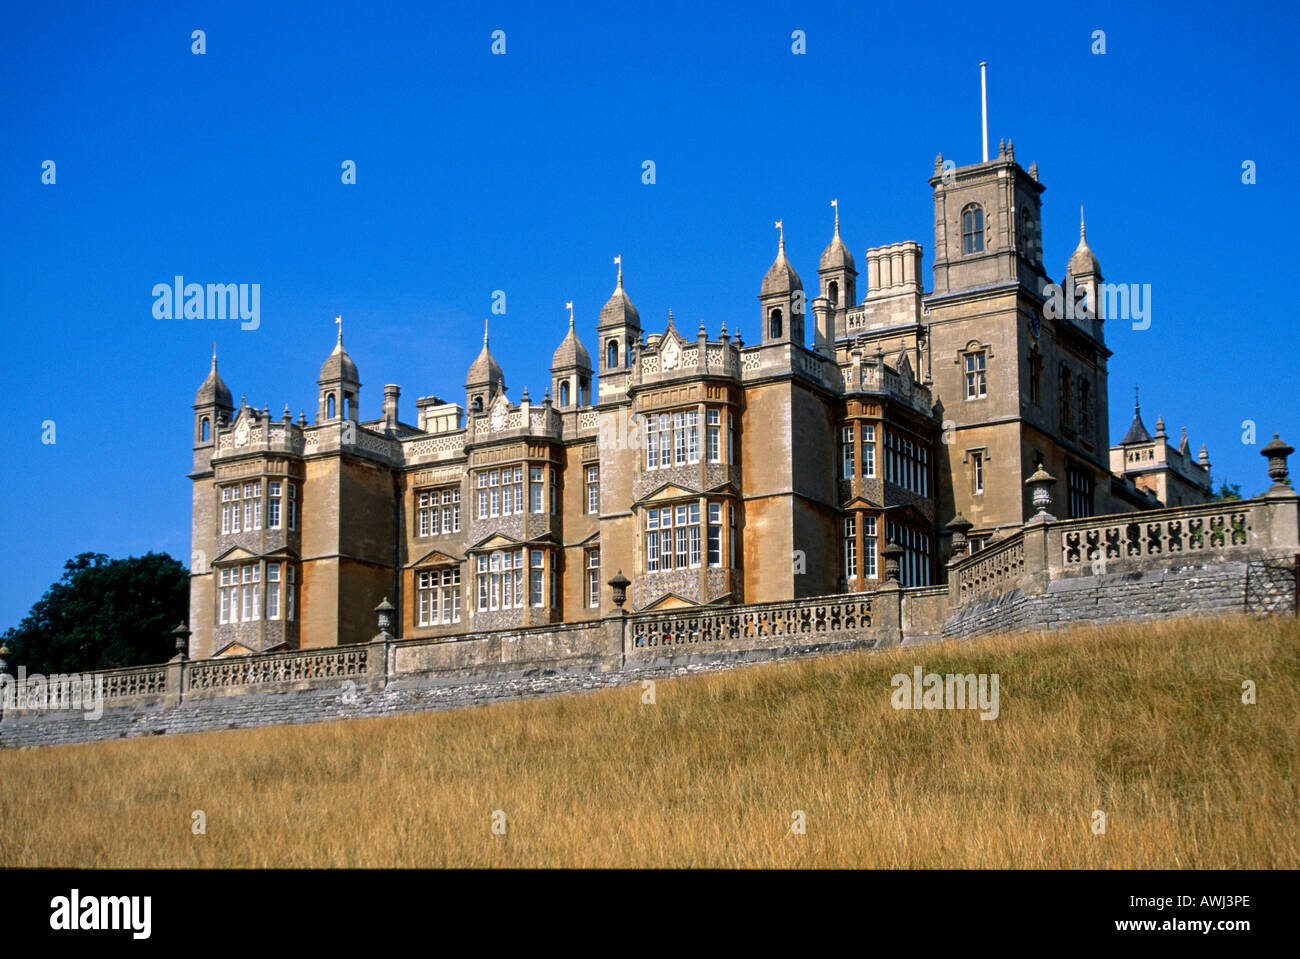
{"x": 824, "y": 619}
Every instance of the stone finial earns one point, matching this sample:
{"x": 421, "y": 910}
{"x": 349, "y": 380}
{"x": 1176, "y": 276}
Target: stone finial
{"x": 4, "y": 658}
{"x": 302, "y": 416}
{"x": 287, "y": 415}
{"x": 385, "y": 611}
{"x": 959, "y": 526}
{"x": 524, "y": 398}
{"x": 1203, "y": 457}
{"x": 182, "y": 634}
{"x": 1033, "y": 170}
{"x": 620, "y": 583}
{"x": 1002, "y": 148}
{"x": 1041, "y": 484}
{"x": 1011, "y": 149}
{"x": 891, "y": 552}
{"x": 1277, "y": 452}
{"x": 938, "y": 164}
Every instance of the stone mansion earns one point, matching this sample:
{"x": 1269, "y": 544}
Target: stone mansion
{"x": 706, "y": 469}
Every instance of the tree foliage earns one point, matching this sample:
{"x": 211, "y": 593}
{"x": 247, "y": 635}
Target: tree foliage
{"x": 1228, "y": 491}
{"x": 103, "y": 614}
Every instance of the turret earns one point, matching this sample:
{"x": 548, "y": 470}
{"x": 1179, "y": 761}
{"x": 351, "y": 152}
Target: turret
{"x": 618, "y": 328}
{"x": 571, "y": 370}
{"x": 839, "y": 288}
{"x": 212, "y": 404}
{"x": 782, "y": 301}
{"x": 1083, "y": 285}
{"x": 484, "y": 380}
{"x": 340, "y": 386}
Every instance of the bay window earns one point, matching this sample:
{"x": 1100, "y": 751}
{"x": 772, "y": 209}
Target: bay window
{"x": 500, "y": 579}
{"x": 438, "y": 593}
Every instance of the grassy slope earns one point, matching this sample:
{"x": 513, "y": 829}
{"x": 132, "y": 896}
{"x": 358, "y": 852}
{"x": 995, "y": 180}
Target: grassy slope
{"x": 1142, "y": 721}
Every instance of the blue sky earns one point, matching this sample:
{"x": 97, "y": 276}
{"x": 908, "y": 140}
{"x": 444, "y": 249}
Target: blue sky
{"x": 522, "y": 173}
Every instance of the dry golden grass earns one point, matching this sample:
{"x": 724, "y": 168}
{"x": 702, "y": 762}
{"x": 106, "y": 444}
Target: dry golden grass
{"x": 1142, "y": 721}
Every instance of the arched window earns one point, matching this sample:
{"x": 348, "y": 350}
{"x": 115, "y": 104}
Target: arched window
{"x": 1022, "y": 234}
{"x": 329, "y": 407}
{"x": 205, "y": 429}
{"x": 774, "y": 324}
{"x": 349, "y": 406}
{"x": 478, "y": 404}
{"x": 564, "y": 394}
{"x": 611, "y": 355}
{"x": 1085, "y": 402}
{"x": 972, "y": 229}
{"x": 833, "y": 293}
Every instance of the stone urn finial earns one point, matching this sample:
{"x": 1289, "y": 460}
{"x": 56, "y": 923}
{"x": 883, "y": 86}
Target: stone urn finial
{"x": 1277, "y": 451}
{"x": 385, "y": 611}
{"x": 1041, "y": 484}
{"x": 959, "y": 526}
{"x": 620, "y": 583}
{"x": 182, "y": 634}
{"x": 891, "y": 552}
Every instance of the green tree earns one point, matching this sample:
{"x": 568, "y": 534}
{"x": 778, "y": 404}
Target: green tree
{"x": 1228, "y": 491}
{"x": 103, "y": 614}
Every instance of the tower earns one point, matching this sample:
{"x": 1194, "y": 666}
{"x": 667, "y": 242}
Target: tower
{"x": 484, "y": 380}
{"x": 781, "y": 299}
{"x": 617, "y": 329}
{"x": 1083, "y": 287}
{"x": 212, "y": 405}
{"x": 838, "y": 289}
{"x": 987, "y": 224}
{"x": 212, "y": 409}
{"x": 571, "y": 370}
{"x": 339, "y": 385}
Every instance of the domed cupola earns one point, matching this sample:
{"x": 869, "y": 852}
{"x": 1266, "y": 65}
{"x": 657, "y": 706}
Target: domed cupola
{"x": 571, "y": 369}
{"x": 1083, "y": 261}
{"x": 781, "y": 296}
{"x": 338, "y": 365}
{"x": 780, "y": 276}
{"x": 340, "y": 384}
{"x": 617, "y": 328}
{"x": 836, "y": 256}
{"x": 571, "y": 352}
{"x": 214, "y": 391}
{"x": 484, "y": 380}
{"x": 212, "y": 403}
{"x": 837, "y": 271}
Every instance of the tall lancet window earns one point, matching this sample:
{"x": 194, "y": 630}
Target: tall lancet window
{"x": 972, "y": 229}
{"x": 774, "y": 325}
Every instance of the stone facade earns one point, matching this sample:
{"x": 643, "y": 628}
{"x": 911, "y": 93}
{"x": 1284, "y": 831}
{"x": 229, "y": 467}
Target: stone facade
{"x": 1214, "y": 558}
{"x": 707, "y": 470}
